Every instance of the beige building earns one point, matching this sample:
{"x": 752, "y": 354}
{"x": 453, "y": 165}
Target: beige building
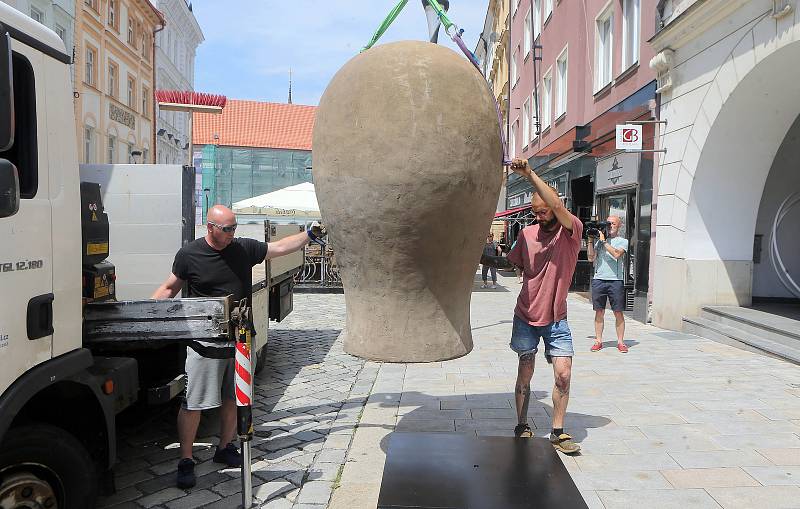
{"x": 491, "y": 54}
{"x": 114, "y": 77}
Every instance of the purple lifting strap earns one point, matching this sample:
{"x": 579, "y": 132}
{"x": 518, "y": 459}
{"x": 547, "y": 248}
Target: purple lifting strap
{"x": 460, "y": 42}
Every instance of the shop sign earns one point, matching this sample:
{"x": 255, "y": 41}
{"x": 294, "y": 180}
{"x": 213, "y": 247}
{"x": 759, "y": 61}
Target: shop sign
{"x": 629, "y": 137}
{"x": 122, "y": 116}
{"x": 618, "y": 170}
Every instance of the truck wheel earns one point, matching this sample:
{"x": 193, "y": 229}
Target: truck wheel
{"x": 44, "y": 466}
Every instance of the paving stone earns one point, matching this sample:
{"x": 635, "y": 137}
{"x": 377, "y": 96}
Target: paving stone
{"x": 663, "y": 499}
{"x": 120, "y": 497}
{"x": 193, "y": 500}
{"x": 272, "y": 489}
{"x": 772, "y": 497}
{"x": 709, "y": 478}
{"x": 161, "y": 497}
{"x": 788, "y": 457}
{"x": 776, "y": 476}
{"x": 315, "y": 492}
{"x": 713, "y": 459}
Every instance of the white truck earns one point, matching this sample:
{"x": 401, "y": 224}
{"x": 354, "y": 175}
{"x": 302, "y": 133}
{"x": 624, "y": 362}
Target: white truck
{"x": 71, "y": 357}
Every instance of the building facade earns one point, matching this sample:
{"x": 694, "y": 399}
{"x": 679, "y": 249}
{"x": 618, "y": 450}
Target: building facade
{"x": 114, "y": 78}
{"x": 251, "y": 149}
{"x": 490, "y": 52}
{"x": 728, "y": 186}
{"x": 57, "y": 15}
{"x": 176, "y": 48}
{"x": 577, "y": 70}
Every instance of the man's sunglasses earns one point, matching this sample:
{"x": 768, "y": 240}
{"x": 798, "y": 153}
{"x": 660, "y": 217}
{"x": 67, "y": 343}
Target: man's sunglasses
{"x": 226, "y": 229}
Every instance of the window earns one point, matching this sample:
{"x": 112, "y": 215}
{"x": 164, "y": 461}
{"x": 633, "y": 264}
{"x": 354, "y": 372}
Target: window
{"x": 131, "y": 92}
{"x": 526, "y": 122}
{"x": 630, "y": 33}
{"x": 61, "y": 32}
{"x": 89, "y": 71}
{"x": 23, "y": 153}
{"x": 546, "y": 99}
{"x": 112, "y": 149}
{"x": 534, "y": 118}
{"x": 514, "y": 5}
{"x": 37, "y": 15}
{"x": 88, "y": 144}
{"x": 537, "y": 18}
{"x": 548, "y": 8}
{"x": 145, "y": 101}
{"x": 604, "y": 47}
{"x": 512, "y": 143}
{"x": 514, "y": 68}
{"x": 112, "y": 15}
{"x": 131, "y": 31}
{"x": 526, "y": 44}
{"x": 145, "y": 48}
{"x": 561, "y": 85}
{"x": 91, "y": 3}
{"x": 113, "y": 79}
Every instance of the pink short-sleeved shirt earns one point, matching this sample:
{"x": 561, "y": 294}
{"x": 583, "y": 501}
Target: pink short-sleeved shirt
{"x": 548, "y": 262}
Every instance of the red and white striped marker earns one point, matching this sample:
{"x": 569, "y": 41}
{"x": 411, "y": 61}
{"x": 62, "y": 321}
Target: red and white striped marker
{"x": 244, "y": 375}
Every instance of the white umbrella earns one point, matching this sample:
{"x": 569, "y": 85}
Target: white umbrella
{"x": 294, "y": 201}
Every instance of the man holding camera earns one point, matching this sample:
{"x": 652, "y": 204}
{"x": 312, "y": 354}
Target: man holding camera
{"x": 608, "y": 255}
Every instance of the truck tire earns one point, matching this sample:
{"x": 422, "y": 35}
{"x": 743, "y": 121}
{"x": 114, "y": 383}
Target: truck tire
{"x": 40, "y": 462}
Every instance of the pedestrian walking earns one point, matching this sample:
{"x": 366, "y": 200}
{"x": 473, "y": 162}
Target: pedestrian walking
{"x": 608, "y": 255}
{"x": 490, "y": 249}
{"x": 547, "y": 253}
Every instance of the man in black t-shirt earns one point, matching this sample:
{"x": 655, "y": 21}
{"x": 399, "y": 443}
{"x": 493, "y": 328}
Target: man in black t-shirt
{"x": 215, "y": 266}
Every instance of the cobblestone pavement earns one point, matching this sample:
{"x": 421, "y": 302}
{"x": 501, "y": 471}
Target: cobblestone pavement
{"x": 307, "y": 402}
{"x": 679, "y": 421}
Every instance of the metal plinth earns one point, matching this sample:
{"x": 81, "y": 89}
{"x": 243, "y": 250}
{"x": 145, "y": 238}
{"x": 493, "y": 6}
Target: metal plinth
{"x": 456, "y": 471}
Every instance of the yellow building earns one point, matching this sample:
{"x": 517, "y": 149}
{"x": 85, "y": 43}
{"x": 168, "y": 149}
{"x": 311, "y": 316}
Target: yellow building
{"x": 114, "y": 79}
{"x": 491, "y": 54}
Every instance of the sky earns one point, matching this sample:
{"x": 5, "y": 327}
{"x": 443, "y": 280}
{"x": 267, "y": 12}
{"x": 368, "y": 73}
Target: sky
{"x": 250, "y": 45}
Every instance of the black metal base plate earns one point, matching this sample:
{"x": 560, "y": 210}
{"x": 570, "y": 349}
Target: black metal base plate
{"x": 457, "y": 471}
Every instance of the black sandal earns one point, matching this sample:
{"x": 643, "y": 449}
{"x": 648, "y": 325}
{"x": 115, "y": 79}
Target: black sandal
{"x": 523, "y": 431}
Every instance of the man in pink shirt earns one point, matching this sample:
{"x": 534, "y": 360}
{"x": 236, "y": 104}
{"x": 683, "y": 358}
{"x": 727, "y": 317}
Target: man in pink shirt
{"x": 547, "y": 253}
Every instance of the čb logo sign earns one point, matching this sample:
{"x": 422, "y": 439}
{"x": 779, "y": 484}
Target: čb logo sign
{"x": 629, "y": 137}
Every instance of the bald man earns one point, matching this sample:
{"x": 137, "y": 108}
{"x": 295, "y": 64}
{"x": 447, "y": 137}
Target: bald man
{"x": 608, "y": 283}
{"x": 547, "y": 253}
{"x": 216, "y": 265}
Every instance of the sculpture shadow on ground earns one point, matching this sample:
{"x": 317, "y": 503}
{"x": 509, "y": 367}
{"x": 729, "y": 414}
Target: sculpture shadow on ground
{"x": 492, "y": 414}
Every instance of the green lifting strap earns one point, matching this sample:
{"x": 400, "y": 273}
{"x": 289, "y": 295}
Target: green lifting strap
{"x": 386, "y": 22}
{"x": 442, "y": 15}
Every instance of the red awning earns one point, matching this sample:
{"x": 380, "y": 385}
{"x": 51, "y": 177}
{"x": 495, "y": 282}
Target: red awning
{"x": 511, "y": 211}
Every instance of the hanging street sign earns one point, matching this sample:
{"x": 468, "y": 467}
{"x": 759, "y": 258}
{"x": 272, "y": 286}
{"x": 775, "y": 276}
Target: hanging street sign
{"x": 629, "y": 137}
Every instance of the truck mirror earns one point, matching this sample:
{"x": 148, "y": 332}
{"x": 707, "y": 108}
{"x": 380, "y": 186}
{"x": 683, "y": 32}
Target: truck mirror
{"x": 6, "y": 92}
{"x": 9, "y": 188}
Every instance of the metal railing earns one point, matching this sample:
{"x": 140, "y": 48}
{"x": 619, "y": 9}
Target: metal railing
{"x": 319, "y": 267}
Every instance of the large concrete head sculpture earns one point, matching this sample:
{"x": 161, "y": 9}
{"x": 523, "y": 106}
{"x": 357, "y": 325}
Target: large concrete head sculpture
{"x": 407, "y": 168}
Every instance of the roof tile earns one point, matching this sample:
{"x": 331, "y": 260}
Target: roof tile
{"x": 256, "y": 124}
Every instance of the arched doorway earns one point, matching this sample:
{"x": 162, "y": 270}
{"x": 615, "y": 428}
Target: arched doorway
{"x": 736, "y": 154}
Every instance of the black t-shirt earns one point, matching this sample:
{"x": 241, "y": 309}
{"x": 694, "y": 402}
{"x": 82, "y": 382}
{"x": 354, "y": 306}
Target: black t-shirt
{"x": 212, "y": 273}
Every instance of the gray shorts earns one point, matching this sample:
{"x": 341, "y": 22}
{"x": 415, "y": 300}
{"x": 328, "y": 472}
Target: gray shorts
{"x": 207, "y": 381}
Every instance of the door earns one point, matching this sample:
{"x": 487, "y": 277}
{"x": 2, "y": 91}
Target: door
{"x": 623, "y": 205}
{"x": 26, "y": 282}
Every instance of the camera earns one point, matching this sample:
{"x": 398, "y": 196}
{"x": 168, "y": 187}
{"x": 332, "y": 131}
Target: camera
{"x": 593, "y": 228}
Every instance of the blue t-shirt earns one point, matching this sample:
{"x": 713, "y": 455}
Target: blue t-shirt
{"x": 605, "y": 266}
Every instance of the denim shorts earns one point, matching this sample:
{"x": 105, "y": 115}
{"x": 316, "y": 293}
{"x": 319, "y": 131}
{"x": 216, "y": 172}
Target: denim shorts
{"x": 612, "y": 290}
{"x": 556, "y": 336}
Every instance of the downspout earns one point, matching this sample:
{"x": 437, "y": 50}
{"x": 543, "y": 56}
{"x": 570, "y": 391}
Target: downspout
{"x": 155, "y": 120}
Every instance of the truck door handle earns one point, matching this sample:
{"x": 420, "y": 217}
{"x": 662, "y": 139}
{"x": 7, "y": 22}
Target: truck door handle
{"x": 40, "y": 316}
